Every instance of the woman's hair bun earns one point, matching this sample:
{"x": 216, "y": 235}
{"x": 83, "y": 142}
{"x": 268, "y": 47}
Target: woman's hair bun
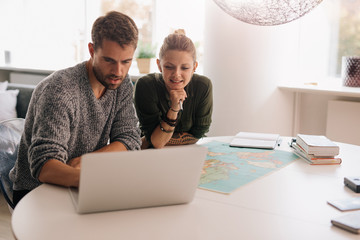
{"x": 180, "y": 31}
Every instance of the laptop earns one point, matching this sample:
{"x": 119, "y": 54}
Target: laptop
{"x": 137, "y": 179}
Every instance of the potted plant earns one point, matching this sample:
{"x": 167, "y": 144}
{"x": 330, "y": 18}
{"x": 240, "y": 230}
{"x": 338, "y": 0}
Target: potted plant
{"x": 145, "y": 54}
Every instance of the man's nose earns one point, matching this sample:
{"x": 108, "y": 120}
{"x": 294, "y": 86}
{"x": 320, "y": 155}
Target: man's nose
{"x": 117, "y": 69}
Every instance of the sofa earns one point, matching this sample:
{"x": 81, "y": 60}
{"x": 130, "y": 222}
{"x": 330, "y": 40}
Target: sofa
{"x": 10, "y": 133}
{"x": 23, "y": 98}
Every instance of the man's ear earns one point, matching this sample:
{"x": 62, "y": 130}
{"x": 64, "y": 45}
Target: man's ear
{"x": 158, "y": 64}
{"x": 91, "y": 49}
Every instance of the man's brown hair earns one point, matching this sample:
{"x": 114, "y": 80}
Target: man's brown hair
{"x": 117, "y": 27}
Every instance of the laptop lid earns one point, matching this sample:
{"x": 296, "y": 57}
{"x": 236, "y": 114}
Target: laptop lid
{"x": 136, "y": 179}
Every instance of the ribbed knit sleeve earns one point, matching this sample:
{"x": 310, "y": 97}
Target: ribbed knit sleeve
{"x": 53, "y": 115}
{"x": 65, "y": 120}
{"x": 204, "y": 107}
{"x": 148, "y": 104}
{"x": 125, "y": 127}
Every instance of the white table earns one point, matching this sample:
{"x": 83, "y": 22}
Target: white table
{"x": 290, "y": 203}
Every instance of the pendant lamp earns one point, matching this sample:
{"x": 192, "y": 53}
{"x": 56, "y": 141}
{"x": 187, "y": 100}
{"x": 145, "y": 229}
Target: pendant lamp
{"x": 267, "y": 12}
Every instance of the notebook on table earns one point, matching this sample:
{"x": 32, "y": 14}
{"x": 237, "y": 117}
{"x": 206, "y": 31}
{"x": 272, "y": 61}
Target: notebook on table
{"x": 349, "y": 222}
{"x": 255, "y": 140}
{"x": 136, "y": 179}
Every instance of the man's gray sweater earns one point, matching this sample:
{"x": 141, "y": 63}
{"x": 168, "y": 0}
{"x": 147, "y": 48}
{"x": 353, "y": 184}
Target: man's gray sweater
{"x": 65, "y": 120}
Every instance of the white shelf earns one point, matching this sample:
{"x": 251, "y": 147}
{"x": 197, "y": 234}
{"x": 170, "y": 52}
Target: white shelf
{"x": 133, "y": 72}
{"x": 332, "y": 87}
{"x": 25, "y": 69}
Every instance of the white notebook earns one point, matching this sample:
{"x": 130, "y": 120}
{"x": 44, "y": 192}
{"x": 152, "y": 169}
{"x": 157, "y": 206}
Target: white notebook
{"x": 349, "y": 222}
{"x": 255, "y": 140}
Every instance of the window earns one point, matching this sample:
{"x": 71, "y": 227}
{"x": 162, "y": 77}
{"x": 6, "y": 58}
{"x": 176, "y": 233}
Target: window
{"x": 329, "y": 32}
{"x": 44, "y": 34}
{"x": 158, "y": 18}
{"x": 349, "y": 31}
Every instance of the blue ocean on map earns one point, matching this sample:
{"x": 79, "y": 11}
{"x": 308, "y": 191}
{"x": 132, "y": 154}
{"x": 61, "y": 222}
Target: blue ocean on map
{"x": 228, "y": 168}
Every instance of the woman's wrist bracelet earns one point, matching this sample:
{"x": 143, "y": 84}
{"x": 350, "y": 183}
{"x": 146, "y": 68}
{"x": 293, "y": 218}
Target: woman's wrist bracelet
{"x": 164, "y": 130}
{"x": 170, "y": 122}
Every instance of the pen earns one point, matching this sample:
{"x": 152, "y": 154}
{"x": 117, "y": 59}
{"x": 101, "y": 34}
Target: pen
{"x": 181, "y": 105}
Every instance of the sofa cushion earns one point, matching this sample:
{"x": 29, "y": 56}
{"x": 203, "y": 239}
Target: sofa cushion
{"x": 3, "y": 85}
{"x": 23, "y": 98}
{"x": 8, "y": 99}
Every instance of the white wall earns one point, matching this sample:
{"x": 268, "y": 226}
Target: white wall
{"x": 245, "y": 63}
{"x": 316, "y": 62}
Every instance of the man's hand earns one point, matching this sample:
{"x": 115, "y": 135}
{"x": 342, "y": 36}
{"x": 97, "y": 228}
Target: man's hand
{"x": 75, "y": 162}
{"x": 56, "y": 172}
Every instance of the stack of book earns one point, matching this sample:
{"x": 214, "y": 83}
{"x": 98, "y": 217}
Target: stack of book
{"x": 316, "y": 150}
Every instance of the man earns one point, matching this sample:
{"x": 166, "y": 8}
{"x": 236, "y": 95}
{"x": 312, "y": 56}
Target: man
{"x": 82, "y": 109}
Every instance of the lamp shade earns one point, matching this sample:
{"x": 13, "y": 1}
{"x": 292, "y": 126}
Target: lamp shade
{"x": 267, "y": 12}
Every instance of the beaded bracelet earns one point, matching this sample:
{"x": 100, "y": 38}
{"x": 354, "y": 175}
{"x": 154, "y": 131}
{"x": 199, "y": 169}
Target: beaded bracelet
{"x": 164, "y": 130}
{"x": 170, "y": 122}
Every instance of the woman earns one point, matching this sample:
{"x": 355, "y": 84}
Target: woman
{"x": 174, "y": 106}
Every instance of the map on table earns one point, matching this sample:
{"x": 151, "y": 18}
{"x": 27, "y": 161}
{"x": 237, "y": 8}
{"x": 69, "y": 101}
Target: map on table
{"x": 228, "y": 168}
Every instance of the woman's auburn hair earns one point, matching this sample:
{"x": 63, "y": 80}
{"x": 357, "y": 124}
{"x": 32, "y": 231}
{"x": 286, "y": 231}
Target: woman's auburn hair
{"x": 178, "y": 41}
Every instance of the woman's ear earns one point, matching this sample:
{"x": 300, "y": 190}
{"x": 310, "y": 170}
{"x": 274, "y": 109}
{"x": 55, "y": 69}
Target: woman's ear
{"x": 158, "y": 64}
{"x": 196, "y": 64}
